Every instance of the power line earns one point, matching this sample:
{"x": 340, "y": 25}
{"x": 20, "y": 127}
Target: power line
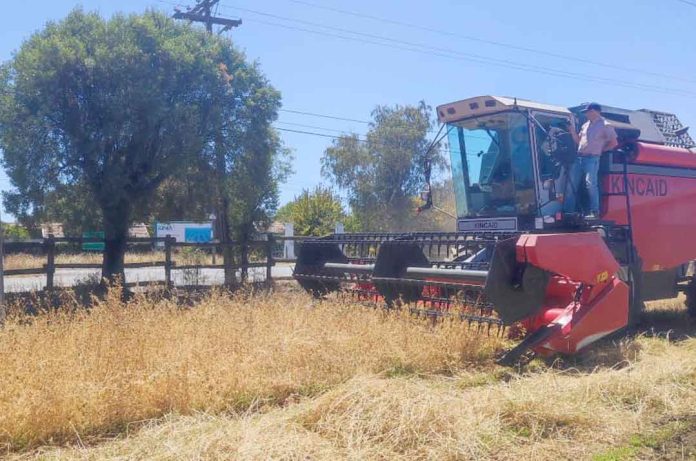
{"x": 322, "y": 135}
{"x": 366, "y": 141}
{"x": 454, "y": 54}
{"x": 333, "y": 117}
{"x": 494, "y": 42}
{"x": 301, "y": 125}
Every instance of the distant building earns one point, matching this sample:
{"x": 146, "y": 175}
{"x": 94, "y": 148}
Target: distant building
{"x": 138, "y": 230}
{"x": 276, "y": 227}
{"x": 54, "y": 228}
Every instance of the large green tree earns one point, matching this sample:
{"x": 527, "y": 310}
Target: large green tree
{"x": 123, "y": 109}
{"x": 383, "y": 173}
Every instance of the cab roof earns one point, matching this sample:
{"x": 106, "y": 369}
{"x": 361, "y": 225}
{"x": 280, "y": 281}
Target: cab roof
{"x": 645, "y": 125}
{"x": 483, "y": 105}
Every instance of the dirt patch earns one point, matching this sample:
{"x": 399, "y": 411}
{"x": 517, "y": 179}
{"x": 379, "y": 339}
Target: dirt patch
{"x": 680, "y": 444}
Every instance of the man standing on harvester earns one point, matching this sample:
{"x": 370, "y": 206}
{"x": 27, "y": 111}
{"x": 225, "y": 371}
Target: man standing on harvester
{"x": 595, "y": 138}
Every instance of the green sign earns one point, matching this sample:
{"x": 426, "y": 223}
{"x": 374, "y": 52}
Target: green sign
{"x": 93, "y": 246}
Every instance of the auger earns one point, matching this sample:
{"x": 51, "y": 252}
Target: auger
{"x": 559, "y": 280}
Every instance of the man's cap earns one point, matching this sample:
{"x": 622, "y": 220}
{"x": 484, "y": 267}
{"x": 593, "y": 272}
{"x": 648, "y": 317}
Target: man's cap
{"x": 591, "y": 106}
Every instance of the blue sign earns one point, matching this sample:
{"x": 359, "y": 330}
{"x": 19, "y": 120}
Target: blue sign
{"x": 198, "y": 234}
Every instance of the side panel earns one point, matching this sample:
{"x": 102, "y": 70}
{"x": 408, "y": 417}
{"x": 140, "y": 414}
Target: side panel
{"x": 663, "y": 211}
{"x": 581, "y": 257}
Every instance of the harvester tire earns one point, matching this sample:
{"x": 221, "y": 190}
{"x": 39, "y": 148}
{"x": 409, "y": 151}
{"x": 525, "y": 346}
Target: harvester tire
{"x": 691, "y": 298}
{"x": 636, "y": 305}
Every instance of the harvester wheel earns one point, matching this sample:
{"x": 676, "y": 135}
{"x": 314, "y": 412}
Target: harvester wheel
{"x": 691, "y": 298}
{"x": 636, "y": 305}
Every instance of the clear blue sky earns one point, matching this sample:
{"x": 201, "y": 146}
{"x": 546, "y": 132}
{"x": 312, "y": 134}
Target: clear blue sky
{"x": 322, "y": 73}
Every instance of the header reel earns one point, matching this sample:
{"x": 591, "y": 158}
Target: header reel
{"x": 561, "y": 289}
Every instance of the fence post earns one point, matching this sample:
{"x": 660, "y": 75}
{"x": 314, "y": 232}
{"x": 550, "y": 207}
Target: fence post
{"x": 244, "y": 272}
{"x": 3, "y": 309}
{"x": 168, "y": 240}
{"x": 289, "y": 245}
{"x": 269, "y": 260}
{"x": 228, "y": 261}
{"x": 50, "y": 243}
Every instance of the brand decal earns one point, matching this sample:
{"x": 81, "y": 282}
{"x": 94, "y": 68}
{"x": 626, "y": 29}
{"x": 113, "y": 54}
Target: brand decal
{"x": 488, "y": 225}
{"x": 642, "y": 186}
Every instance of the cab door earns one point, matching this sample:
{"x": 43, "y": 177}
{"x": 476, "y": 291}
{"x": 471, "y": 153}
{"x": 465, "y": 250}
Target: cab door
{"x": 550, "y": 176}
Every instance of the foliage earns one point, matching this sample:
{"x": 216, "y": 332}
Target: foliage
{"x": 13, "y": 231}
{"x": 184, "y": 197}
{"x": 313, "y": 212}
{"x": 442, "y": 215}
{"x": 73, "y": 206}
{"x": 113, "y": 115}
{"x": 251, "y": 186}
{"x": 382, "y": 174}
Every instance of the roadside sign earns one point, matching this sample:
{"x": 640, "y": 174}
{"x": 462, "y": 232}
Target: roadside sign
{"x": 185, "y": 231}
{"x": 93, "y": 246}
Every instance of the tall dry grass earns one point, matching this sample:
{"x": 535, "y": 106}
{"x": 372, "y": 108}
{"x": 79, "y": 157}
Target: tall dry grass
{"x": 27, "y": 261}
{"x": 75, "y": 377}
{"x": 184, "y": 256}
{"x": 284, "y": 378}
{"x": 645, "y": 409}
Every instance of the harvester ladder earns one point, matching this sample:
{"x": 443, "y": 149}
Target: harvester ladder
{"x": 625, "y": 192}
{"x": 629, "y": 215}
{"x": 631, "y": 256}
{"x": 633, "y": 270}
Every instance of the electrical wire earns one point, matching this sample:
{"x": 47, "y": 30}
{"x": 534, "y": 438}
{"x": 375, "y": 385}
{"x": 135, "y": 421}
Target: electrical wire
{"x": 333, "y": 117}
{"x": 382, "y": 145}
{"x": 415, "y": 47}
{"x": 312, "y": 133}
{"x": 452, "y": 54}
{"x": 302, "y": 125}
{"x": 494, "y": 42}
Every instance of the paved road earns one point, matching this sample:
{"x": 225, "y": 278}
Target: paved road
{"x": 70, "y": 277}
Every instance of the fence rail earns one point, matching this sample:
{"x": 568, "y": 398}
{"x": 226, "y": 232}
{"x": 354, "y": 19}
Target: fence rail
{"x": 253, "y": 254}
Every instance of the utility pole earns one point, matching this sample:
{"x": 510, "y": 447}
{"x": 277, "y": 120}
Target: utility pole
{"x": 202, "y": 13}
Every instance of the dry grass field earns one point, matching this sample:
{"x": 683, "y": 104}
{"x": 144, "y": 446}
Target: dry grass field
{"x": 285, "y": 377}
{"x": 26, "y": 261}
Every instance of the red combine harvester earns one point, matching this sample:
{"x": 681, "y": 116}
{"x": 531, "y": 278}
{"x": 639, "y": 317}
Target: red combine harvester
{"x": 563, "y": 281}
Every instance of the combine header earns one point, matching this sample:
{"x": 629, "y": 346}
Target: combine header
{"x": 559, "y": 280}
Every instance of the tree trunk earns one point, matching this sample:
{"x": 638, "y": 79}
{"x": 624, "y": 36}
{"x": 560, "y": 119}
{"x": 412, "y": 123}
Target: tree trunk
{"x": 222, "y": 215}
{"x": 223, "y": 234}
{"x": 116, "y": 220}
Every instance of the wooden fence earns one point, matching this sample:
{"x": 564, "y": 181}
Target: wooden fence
{"x": 249, "y": 255}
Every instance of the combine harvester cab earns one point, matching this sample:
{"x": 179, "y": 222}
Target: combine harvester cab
{"x": 559, "y": 280}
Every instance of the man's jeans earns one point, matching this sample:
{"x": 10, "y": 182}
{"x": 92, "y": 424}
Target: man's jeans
{"x": 586, "y": 167}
